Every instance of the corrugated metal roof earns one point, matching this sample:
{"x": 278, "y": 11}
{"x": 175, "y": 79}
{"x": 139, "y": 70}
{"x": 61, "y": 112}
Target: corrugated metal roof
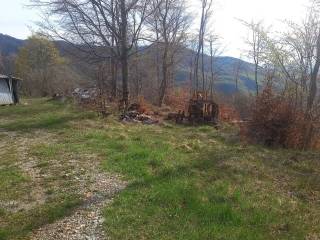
{"x": 3, "y": 76}
{"x": 6, "y": 77}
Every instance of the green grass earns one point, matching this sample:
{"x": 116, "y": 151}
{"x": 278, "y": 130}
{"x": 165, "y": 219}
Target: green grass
{"x": 20, "y": 224}
{"x": 40, "y": 114}
{"x": 13, "y": 182}
{"x": 202, "y": 191}
{"x": 31, "y": 121}
{"x": 184, "y": 182}
{"x": 15, "y": 185}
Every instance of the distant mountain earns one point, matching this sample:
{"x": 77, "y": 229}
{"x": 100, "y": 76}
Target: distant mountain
{"x": 225, "y": 69}
{"x": 224, "y": 66}
{"x": 9, "y": 45}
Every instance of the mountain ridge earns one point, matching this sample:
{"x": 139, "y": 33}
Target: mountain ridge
{"x": 225, "y": 66}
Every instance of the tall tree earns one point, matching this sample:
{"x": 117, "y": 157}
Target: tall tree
{"x": 169, "y": 23}
{"x": 38, "y": 63}
{"x": 295, "y": 56}
{"x": 113, "y": 60}
{"x": 213, "y": 53}
{"x": 103, "y": 29}
{"x": 206, "y": 12}
{"x": 236, "y": 72}
{"x": 256, "y": 46}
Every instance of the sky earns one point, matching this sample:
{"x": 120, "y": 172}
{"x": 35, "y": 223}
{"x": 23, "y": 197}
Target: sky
{"x": 17, "y": 20}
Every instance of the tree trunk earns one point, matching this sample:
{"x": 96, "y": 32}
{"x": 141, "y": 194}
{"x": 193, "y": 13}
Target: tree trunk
{"x": 256, "y": 78}
{"x": 136, "y": 77}
{"x": 114, "y": 70}
{"x": 114, "y": 66}
{"x": 202, "y": 69}
{"x": 311, "y": 98}
{"x": 164, "y": 82}
{"x": 196, "y": 69}
{"x": 211, "y": 69}
{"x": 124, "y": 53}
{"x": 124, "y": 70}
{"x": 313, "y": 86}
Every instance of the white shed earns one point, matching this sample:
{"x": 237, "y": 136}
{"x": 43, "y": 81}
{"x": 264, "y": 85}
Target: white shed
{"x": 8, "y": 90}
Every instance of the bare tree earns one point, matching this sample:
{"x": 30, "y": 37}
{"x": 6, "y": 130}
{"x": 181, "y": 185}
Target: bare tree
{"x": 256, "y": 46}
{"x": 293, "y": 60}
{"x": 113, "y": 60}
{"x": 214, "y": 51}
{"x": 193, "y": 45}
{"x": 103, "y": 29}
{"x": 169, "y": 23}
{"x": 297, "y": 55}
{"x": 206, "y": 12}
{"x": 237, "y": 67}
{"x": 135, "y": 72}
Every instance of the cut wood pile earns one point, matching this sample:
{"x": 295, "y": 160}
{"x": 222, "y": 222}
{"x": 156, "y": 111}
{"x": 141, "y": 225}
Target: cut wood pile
{"x": 137, "y": 115}
{"x": 136, "y": 112}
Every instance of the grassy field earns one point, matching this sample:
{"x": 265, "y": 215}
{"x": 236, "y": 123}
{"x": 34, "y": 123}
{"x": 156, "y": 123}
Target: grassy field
{"x": 184, "y": 182}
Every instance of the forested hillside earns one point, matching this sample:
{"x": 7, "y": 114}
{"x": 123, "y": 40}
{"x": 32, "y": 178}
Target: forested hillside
{"x": 225, "y": 67}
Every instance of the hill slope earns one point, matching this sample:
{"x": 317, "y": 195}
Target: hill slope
{"x": 9, "y": 45}
{"x": 225, "y": 69}
{"x": 224, "y": 66}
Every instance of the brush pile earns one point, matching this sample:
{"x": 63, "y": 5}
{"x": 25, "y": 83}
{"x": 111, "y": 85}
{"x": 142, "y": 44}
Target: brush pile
{"x": 136, "y": 114}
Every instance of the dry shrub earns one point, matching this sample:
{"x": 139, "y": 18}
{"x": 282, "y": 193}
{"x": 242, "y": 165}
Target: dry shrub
{"x": 316, "y": 142}
{"x": 99, "y": 103}
{"x": 144, "y": 106}
{"x": 276, "y": 122}
{"x": 228, "y": 113}
{"x": 242, "y": 103}
{"x": 178, "y": 98}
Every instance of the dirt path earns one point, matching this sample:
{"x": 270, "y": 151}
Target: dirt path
{"x": 66, "y": 172}
{"x": 86, "y": 222}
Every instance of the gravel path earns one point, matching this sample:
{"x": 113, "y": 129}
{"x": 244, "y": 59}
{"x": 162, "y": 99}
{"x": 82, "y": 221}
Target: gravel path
{"x": 84, "y": 177}
{"x": 86, "y": 222}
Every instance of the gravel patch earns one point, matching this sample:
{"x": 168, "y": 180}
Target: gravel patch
{"x": 84, "y": 176}
{"x": 86, "y": 223}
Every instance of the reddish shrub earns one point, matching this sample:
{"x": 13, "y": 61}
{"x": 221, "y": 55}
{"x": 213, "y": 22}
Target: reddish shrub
{"x": 228, "y": 114}
{"x": 276, "y": 122}
{"x": 178, "y": 99}
{"x": 144, "y": 106}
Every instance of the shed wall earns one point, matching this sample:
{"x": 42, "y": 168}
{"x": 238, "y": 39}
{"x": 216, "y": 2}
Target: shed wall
{"x": 5, "y": 93}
